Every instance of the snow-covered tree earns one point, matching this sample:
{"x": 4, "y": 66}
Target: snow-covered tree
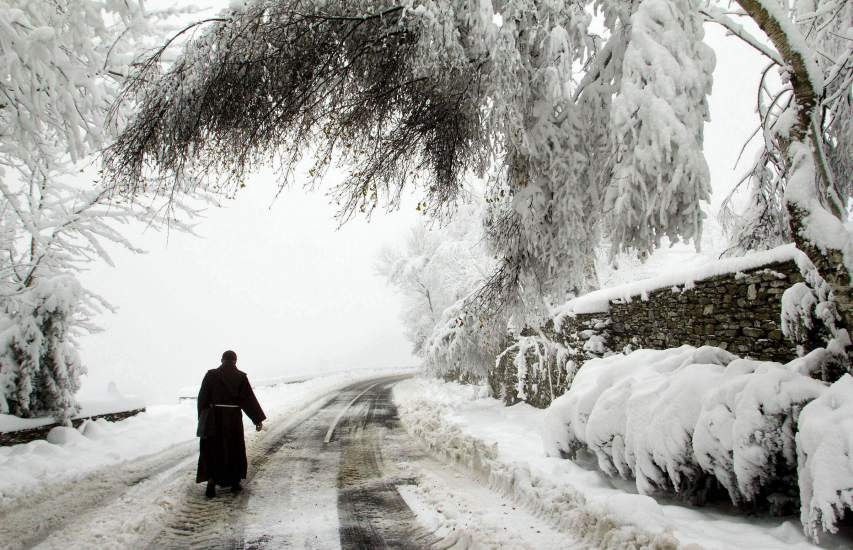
{"x": 436, "y": 267}
{"x": 426, "y": 92}
{"x": 802, "y": 177}
{"x": 61, "y": 67}
{"x": 586, "y": 131}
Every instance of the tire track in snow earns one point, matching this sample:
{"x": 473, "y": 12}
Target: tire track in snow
{"x": 302, "y": 492}
{"x": 372, "y": 512}
{"x": 199, "y": 522}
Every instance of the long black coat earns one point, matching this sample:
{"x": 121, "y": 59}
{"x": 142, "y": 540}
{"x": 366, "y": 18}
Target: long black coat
{"x": 222, "y": 457}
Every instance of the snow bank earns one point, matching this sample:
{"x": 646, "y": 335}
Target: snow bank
{"x": 460, "y": 424}
{"x": 825, "y": 458}
{"x": 598, "y": 301}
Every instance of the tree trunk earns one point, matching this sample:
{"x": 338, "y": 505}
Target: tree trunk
{"x": 829, "y": 262}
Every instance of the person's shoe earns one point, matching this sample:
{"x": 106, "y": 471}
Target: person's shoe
{"x": 211, "y": 490}
{"x": 236, "y": 488}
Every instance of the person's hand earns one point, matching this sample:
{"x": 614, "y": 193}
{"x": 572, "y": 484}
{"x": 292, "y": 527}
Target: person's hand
{"x": 259, "y": 426}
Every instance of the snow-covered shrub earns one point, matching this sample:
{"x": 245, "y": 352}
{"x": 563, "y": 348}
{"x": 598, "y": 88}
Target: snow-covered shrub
{"x": 566, "y": 421}
{"x": 535, "y": 369}
{"x": 763, "y": 432}
{"x": 570, "y": 426}
{"x": 38, "y": 360}
{"x": 605, "y": 432}
{"x": 825, "y": 458}
{"x": 810, "y": 319}
{"x": 660, "y": 420}
{"x": 462, "y": 344}
{"x": 684, "y": 419}
{"x": 712, "y": 436}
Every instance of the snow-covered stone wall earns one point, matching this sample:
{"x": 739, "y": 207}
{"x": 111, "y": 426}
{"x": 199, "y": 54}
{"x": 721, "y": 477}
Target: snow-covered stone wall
{"x": 19, "y": 436}
{"x": 739, "y": 312}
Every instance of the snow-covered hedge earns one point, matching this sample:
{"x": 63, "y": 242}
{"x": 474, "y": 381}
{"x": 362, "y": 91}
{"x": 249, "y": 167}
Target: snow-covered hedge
{"x": 689, "y": 420}
{"x": 825, "y": 458}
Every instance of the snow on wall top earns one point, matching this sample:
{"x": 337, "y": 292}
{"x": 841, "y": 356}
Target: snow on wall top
{"x": 599, "y": 300}
{"x": 10, "y": 423}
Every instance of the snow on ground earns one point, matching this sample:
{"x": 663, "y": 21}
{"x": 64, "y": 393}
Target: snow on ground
{"x": 71, "y": 454}
{"x": 502, "y": 444}
{"x": 463, "y": 513}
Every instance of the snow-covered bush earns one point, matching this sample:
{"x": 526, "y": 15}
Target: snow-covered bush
{"x": 566, "y": 422}
{"x": 535, "y": 369}
{"x": 567, "y": 428}
{"x": 39, "y": 365}
{"x": 825, "y": 458}
{"x": 660, "y": 419}
{"x": 745, "y": 434}
{"x": 811, "y": 320}
{"x": 685, "y": 420}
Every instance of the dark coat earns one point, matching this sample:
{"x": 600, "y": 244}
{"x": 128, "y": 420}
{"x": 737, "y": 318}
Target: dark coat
{"x": 222, "y": 458}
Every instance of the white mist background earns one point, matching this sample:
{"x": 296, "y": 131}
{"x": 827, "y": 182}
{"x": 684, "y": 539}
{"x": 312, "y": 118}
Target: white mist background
{"x": 292, "y": 293}
{"x": 281, "y": 285}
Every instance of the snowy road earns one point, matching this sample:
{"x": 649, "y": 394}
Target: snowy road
{"x": 341, "y": 474}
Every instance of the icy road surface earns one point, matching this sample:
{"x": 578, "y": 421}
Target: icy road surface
{"x": 342, "y": 474}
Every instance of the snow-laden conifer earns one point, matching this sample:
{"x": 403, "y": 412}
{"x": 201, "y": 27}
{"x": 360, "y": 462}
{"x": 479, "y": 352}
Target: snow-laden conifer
{"x": 61, "y": 67}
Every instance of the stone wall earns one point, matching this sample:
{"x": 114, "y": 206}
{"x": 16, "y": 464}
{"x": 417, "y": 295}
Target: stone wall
{"x": 737, "y": 311}
{"x": 25, "y": 436}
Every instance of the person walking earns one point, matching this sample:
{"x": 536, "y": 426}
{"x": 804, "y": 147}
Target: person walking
{"x": 224, "y": 393}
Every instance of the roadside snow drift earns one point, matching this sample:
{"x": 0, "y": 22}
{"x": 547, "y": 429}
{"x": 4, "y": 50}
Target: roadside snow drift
{"x": 462, "y": 425}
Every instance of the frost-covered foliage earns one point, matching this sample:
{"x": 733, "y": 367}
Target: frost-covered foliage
{"x": 62, "y": 64}
{"x": 436, "y": 270}
{"x": 687, "y": 421}
{"x": 811, "y": 320}
{"x": 817, "y": 31}
{"x": 436, "y": 267}
{"x": 557, "y": 111}
{"x": 463, "y": 344}
{"x": 541, "y": 367}
{"x": 38, "y": 359}
{"x": 657, "y": 119}
{"x": 825, "y": 458}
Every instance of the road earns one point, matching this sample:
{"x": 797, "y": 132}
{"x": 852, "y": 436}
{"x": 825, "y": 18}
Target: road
{"x": 343, "y": 474}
